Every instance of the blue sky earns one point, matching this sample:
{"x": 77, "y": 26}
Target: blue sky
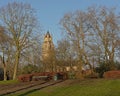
{"x": 49, "y": 12}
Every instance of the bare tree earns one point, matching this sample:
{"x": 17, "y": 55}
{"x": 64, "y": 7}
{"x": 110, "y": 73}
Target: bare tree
{"x": 19, "y": 20}
{"x": 94, "y": 35}
{"x": 3, "y": 46}
{"x": 64, "y": 54}
{"x": 105, "y": 27}
{"x": 50, "y": 61}
{"x": 32, "y": 55}
{"x": 76, "y": 26}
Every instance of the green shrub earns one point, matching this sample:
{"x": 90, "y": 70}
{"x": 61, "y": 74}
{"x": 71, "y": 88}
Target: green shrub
{"x": 117, "y": 64}
{"x": 103, "y": 67}
{"x": 30, "y": 69}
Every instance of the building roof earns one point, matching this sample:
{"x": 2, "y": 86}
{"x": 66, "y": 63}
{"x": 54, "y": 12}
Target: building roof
{"x": 48, "y": 34}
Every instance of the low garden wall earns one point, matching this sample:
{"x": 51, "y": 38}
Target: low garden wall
{"x": 44, "y": 75}
{"x": 112, "y": 74}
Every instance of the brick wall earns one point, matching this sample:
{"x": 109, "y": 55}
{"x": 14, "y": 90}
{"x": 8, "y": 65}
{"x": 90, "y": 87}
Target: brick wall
{"x": 112, "y": 74}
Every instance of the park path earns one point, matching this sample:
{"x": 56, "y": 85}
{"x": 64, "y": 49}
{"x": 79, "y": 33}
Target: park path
{"x": 26, "y": 87}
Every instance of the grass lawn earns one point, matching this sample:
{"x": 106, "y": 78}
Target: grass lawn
{"x": 8, "y": 82}
{"x": 96, "y": 87}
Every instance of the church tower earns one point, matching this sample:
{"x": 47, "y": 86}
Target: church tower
{"x": 47, "y": 46}
{"x": 48, "y": 53}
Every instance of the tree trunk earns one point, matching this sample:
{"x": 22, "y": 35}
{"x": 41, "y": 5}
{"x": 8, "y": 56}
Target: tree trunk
{"x": 79, "y": 74}
{"x": 16, "y": 65}
{"x": 4, "y": 67}
{"x": 5, "y": 71}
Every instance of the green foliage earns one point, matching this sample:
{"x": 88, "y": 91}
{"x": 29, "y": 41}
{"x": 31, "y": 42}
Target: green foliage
{"x": 71, "y": 75}
{"x": 30, "y": 69}
{"x": 103, "y": 67}
{"x": 117, "y": 64}
{"x": 8, "y": 82}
